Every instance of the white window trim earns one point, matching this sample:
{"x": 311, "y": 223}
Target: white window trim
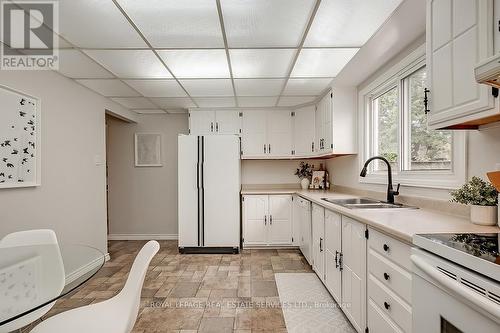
{"x": 428, "y": 179}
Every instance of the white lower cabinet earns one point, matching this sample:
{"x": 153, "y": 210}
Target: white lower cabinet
{"x": 302, "y": 227}
{"x": 389, "y": 284}
{"x": 333, "y": 254}
{"x": 267, "y": 220}
{"x": 318, "y": 240}
{"x": 354, "y": 271}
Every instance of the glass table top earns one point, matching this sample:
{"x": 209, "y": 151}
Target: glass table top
{"x": 32, "y": 277}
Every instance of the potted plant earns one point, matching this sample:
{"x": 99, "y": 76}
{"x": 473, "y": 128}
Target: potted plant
{"x": 482, "y": 198}
{"x": 304, "y": 172}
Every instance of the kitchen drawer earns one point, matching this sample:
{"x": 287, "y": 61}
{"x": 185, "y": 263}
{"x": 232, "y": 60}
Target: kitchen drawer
{"x": 390, "y": 248}
{"x": 390, "y": 274}
{"x": 378, "y": 322}
{"x": 392, "y": 305}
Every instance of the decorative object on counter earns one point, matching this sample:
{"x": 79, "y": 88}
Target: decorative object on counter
{"x": 482, "y": 198}
{"x": 19, "y": 139}
{"x": 304, "y": 172}
{"x": 318, "y": 179}
{"x": 494, "y": 178}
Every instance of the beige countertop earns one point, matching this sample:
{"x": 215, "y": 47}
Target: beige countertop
{"x": 399, "y": 223}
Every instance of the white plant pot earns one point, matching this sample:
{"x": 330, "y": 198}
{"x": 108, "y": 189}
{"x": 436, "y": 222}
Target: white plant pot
{"x": 484, "y": 215}
{"x": 304, "y": 183}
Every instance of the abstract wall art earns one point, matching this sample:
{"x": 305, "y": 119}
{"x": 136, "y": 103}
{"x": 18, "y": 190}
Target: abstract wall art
{"x": 148, "y": 150}
{"x": 19, "y": 139}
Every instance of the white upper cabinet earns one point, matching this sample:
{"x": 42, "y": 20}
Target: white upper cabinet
{"x": 266, "y": 134}
{"x": 227, "y": 122}
{"x": 254, "y": 133}
{"x": 459, "y": 35}
{"x": 304, "y": 131}
{"x": 214, "y": 122}
{"x": 324, "y": 128}
{"x": 279, "y": 133}
{"x": 201, "y": 122}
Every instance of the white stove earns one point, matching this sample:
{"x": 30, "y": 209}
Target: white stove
{"x": 456, "y": 283}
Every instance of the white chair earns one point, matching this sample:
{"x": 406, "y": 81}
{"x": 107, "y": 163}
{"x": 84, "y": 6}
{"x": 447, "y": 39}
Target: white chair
{"x": 27, "y": 250}
{"x": 115, "y": 315}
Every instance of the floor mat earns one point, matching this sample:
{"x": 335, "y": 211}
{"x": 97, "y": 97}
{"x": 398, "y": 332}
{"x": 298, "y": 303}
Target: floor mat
{"x": 307, "y": 305}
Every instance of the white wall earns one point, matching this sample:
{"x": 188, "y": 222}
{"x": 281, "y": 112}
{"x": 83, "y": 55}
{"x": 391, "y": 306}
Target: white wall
{"x": 71, "y": 199}
{"x": 143, "y": 200}
{"x": 259, "y": 172}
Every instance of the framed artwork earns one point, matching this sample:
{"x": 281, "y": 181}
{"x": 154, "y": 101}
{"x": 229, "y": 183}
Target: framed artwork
{"x": 318, "y": 179}
{"x": 148, "y": 150}
{"x": 19, "y": 139}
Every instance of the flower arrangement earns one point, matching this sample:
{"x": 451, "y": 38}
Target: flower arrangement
{"x": 304, "y": 171}
{"x": 476, "y": 192}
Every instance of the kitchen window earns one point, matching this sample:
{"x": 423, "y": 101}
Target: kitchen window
{"x": 395, "y": 127}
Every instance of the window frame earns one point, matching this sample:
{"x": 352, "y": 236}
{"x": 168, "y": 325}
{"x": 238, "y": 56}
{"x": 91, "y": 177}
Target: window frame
{"x": 394, "y": 77}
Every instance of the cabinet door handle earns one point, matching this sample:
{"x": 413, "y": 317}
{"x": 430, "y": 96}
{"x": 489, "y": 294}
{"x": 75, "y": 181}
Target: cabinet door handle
{"x": 386, "y": 248}
{"x": 341, "y": 261}
{"x": 336, "y": 259}
{"x": 321, "y": 245}
{"x": 217, "y": 126}
{"x": 270, "y": 219}
{"x": 265, "y": 151}
{"x": 387, "y": 305}
{"x": 265, "y": 219}
{"x": 269, "y": 148}
{"x": 212, "y": 126}
{"x": 312, "y": 147}
{"x": 386, "y": 276}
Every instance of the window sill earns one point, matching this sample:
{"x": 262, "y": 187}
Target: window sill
{"x": 436, "y": 180}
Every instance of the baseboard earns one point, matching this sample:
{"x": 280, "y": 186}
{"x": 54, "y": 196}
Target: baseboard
{"x": 143, "y": 236}
{"x": 73, "y": 276}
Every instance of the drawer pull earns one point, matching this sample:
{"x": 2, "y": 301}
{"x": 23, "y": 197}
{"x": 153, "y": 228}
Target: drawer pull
{"x": 386, "y": 248}
{"x": 387, "y": 305}
{"x": 386, "y": 276}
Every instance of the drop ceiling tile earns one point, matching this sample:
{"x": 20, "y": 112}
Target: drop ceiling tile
{"x": 96, "y": 24}
{"x": 266, "y": 23}
{"x": 211, "y": 102}
{"x": 173, "y": 103}
{"x": 75, "y": 64}
{"x": 157, "y": 88}
{"x": 196, "y": 63}
{"x": 109, "y": 88}
{"x": 174, "y": 23}
{"x": 322, "y": 62}
{"x": 258, "y": 87}
{"x": 251, "y": 63}
{"x": 134, "y": 102}
{"x": 149, "y": 111}
{"x": 348, "y": 23}
{"x": 295, "y": 100}
{"x": 207, "y": 87}
{"x": 306, "y": 87}
{"x": 130, "y": 63}
{"x": 257, "y": 101}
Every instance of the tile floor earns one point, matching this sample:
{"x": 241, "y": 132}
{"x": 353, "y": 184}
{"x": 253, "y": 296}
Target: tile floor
{"x": 197, "y": 293}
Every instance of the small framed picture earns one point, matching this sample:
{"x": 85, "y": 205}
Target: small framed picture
{"x": 318, "y": 179}
{"x": 148, "y": 150}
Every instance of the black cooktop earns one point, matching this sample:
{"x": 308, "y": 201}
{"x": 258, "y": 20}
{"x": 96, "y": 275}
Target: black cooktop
{"x": 484, "y": 246}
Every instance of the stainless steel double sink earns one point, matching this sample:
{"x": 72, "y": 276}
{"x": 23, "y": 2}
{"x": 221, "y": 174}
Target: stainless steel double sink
{"x": 365, "y": 203}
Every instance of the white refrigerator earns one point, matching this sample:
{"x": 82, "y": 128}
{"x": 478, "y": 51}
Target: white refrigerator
{"x": 209, "y": 193}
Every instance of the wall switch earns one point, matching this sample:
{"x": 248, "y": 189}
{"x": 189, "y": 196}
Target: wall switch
{"x": 98, "y": 160}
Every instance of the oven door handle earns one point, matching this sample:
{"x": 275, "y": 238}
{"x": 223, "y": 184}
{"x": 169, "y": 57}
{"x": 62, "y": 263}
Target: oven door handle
{"x": 453, "y": 286}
